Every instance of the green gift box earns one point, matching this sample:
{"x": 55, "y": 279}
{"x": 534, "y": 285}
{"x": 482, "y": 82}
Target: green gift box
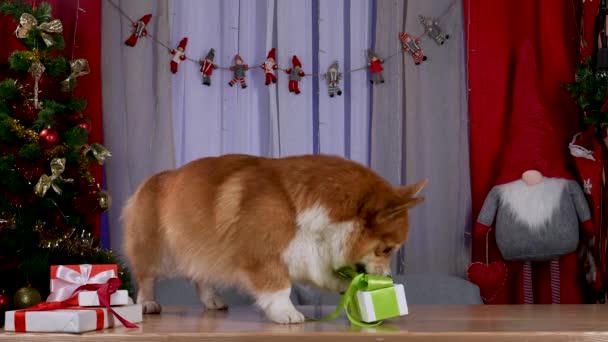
{"x": 369, "y": 299}
{"x": 380, "y": 304}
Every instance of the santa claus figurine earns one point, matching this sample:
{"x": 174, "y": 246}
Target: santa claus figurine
{"x": 270, "y": 66}
{"x": 207, "y": 67}
{"x": 295, "y": 75}
{"x": 537, "y": 207}
{"x": 179, "y": 54}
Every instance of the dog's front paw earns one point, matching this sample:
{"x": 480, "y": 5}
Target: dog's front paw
{"x": 285, "y": 315}
{"x": 150, "y": 307}
{"x": 215, "y": 303}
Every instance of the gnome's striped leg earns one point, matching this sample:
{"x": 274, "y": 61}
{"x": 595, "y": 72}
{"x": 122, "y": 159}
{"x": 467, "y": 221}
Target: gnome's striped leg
{"x": 555, "y": 282}
{"x": 527, "y": 280}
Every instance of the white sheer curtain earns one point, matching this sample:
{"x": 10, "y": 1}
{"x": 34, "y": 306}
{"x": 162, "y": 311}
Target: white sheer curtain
{"x": 136, "y": 102}
{"x": 420, "y": 129}
{"x": 413, "y": 126}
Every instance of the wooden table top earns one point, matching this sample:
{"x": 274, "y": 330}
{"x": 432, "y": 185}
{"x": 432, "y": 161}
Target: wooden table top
{"x": 424, "y": 323}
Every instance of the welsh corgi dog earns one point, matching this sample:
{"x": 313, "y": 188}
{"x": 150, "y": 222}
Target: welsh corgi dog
{"x": 259, "y": 224}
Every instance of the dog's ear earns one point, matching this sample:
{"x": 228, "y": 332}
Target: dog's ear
{"x": 407, "y": 200}
{"x": 397, "y": 211}
{"x": 411, "y": 190}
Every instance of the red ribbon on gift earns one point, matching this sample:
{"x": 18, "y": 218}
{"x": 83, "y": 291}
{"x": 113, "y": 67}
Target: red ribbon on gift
{"x": 104, "y": 291}
{"x": 49, "y": 306}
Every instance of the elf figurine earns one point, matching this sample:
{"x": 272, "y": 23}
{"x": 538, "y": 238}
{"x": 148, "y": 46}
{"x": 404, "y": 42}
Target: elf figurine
{"x": 178, "y": 54}
{"x": 270, "y": 66}
{"x": 333, "y": 77}
{"x": 412, "y": 46}
{"x": 239, "y": 70}
{"x": 295, "y": 75}
{"x": 432, "y": 29}
{"x": 139, "y": 30}
{"x": 375, "y": 67}
{"x": 207, "y": 67}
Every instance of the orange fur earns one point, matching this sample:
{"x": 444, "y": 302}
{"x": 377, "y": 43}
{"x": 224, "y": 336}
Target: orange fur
{"x": 229, "y": 220}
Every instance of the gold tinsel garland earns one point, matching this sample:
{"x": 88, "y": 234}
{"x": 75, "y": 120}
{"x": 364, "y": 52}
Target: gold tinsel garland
{"x": 56, "y": 151}
{"x": 22, "y": 132}
{"x": 83, "y": 168}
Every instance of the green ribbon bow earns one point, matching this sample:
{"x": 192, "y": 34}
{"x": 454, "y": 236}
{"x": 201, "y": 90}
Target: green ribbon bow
{"x": 54, "y": 180}
{"x": 348, "y": 302}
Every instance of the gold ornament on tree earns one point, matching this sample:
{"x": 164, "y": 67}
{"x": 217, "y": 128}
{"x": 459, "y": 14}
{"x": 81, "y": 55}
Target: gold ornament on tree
{"x": 7, "y": 221}
{"x": 27, "y": 22}
{"x": 79, "y": 67}
{"x": 36, "y": 69}
{"x": 54, "y": 180}
{"x": 26, "y": 297}
{"x": 105, "y": 201}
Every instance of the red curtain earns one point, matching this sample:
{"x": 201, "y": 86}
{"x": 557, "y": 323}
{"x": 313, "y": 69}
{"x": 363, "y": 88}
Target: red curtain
{"x": 88, "y": 45}
{"x": 495, "y": 32}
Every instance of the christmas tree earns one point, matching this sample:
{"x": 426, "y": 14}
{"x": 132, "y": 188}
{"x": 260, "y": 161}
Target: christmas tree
{"x": 589, "y": 90}
{"x": 49, "y": 200}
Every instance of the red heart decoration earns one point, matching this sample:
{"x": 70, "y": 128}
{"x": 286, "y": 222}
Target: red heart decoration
{"x": 489, "y": 277}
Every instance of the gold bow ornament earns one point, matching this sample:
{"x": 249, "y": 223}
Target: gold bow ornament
{"x": 54, "y": 180}
{"x": 99, "y": 152}
{"x": 27, "y": 22}
{"x": 79, "y": 67}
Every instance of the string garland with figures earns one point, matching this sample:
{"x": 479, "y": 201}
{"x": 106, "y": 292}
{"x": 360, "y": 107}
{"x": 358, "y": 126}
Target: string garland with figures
{"x": 409, "y": 44}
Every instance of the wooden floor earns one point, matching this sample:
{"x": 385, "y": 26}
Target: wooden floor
{"x": 424, "y": 323}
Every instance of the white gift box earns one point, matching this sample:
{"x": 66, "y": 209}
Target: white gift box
{"x": 371, "y": 310}
{"x": 90, "y": 298}
{"x": 72, "y": 320}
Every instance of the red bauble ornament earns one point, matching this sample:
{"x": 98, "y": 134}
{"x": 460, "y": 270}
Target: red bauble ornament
{"x": 30, "y": 171}
{"x": 48, "y": 88}
{"x": 26, "y": 113}
{"x": 59, "y": 220}
{"x": 9, "y": 149}
{"x": 49, "y": 138}
{"x": 73, "y": 117}
{"x": 21, "y": 200}
{"x": 5, "y": 305}
{"x": 84, "y": 123}
{"x": 5, "y": 301}
{"x": 87, "y": 200}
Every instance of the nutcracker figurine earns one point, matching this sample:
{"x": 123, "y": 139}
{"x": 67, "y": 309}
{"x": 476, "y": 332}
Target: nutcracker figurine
{"x": 412, "y": 46}
{"x": 432, "y": 29}
{"x": 333, "y": 77}
{"x": 207, "y": 67}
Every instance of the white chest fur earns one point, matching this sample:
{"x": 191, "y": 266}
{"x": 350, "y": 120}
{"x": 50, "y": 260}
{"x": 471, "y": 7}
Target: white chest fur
{"x": 318, "y": 247}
